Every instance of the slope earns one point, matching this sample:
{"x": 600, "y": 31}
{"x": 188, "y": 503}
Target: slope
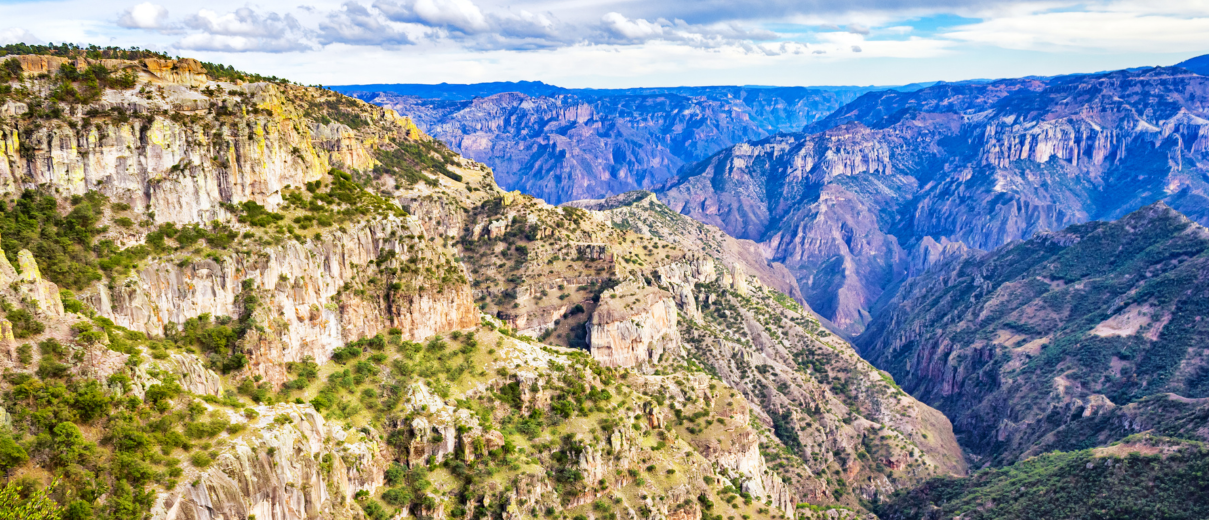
{"x": 1141, "y": 477}
{"x": 1069, "y": 340}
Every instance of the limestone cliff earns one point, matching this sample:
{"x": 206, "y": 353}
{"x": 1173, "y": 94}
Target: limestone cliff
{"x": 291, "y": 464}
{"x": 633, "y": 326}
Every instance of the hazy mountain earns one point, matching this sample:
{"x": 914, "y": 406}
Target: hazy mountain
{"x": 894, "y": 181}
{"x": 568, "y": 144}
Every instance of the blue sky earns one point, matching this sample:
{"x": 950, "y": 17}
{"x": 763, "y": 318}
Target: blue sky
{"x": 626, "y": 43}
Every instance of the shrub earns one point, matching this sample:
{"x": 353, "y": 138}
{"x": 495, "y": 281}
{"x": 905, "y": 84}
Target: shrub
{"x": 12, "y": 454}
{"x": 25, "y": 325}
{"x": 201, "y": 459}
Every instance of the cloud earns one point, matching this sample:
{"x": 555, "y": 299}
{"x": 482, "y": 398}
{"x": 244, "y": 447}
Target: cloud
{"x": 705, "y": 12}
{"x": 16, "y": 35}
{"x": 616, "y": 28}
{"x": 526, "y": 25}
{"x": 356, "y": 25}
{"x": 225, "y": 43}
{"x": 520, "y": 31}
{"x": 244, "y": 30}
{"x": 1112, "y": 31}
{"x": 454, "y": 15}
{"x": 464, "y": 22}
{"x": 631, "y": 30}
{"x": 857, "y": 28}
{"x": 145, "y": 16}
{"x": 244, "y": 22}
{"x": 775, "y": 49}
{"x": 856, "y": 48}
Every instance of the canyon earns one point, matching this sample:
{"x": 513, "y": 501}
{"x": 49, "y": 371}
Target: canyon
{"x": 256, "y": 298}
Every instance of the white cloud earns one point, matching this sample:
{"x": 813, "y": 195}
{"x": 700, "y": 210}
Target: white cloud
{"x": 145, "y": 16}
{"x": 526, "y": 25}
{"x": 627, "y": 29}
{"x": 616, "y": 28}
{"x": 243, "y": 22}
{"x": 356, "y": 25}
{"x": 1109, "y": 30}
{"x": 16, "y": 35}
{"x": 244, "y": 30}
{"x": 457, "y": 15}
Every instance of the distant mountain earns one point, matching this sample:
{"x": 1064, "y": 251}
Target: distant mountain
{"x": 453, "y": 92}
{"x": 469, "y": 91}
{"x": 562, "y": 145}
{"x": 895, "y": 181}
{"x": 1199, "y": 64}
{"x": 1069, "y": 340}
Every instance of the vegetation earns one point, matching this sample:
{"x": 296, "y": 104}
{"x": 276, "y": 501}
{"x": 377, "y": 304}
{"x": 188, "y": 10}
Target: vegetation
{"x": 71, "y": 50}
{"x": 407, "y": 161}
{"x": 142, "y": 442}
{"x": 1053, "y": 293}
{"x": 1083, "y": 484}
{"x": 62, "y": 244}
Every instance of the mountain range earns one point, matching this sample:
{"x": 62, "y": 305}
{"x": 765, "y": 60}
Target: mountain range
{"x": 579, "y": 144}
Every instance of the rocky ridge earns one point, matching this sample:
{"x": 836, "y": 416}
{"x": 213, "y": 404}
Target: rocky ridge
{"x": 828, "y": 409}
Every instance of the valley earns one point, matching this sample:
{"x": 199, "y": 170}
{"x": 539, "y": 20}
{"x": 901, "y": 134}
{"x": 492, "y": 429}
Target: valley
{"x": 229, "y": 296}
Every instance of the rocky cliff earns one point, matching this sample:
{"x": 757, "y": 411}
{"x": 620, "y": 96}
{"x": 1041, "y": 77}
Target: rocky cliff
{"x": 1069, "y": 340}
{"x": 292, "y": 465}
{"x": 847, "y": 205}
{"x": 822, "y": 409}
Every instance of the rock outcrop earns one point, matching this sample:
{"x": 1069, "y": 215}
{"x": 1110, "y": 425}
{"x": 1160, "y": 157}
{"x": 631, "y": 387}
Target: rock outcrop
{"x": 633, "y": 326}
{"x": 297, "y": 284}
{"x": 291, "y": 464}
{"x": 774, "y": 352}
{"x": 181, "y": 170}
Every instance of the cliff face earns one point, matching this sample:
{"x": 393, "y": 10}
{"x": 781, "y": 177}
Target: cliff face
{"x": 981, "y": 165}
{"x": 300, "y": 467}
{"x": 633, "y": 326}
{"x": 1068, "y": 340}
{"x": 298, "y": 285}
{"x": 774, "y": 352}
{"x": 218, "y": 147}
{"x": 583, "y": 145}
{"x": 183, "y": 168}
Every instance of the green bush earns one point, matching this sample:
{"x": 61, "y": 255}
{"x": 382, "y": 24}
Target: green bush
{"x": 61, "y": 244}
{"x": 25, "y": 325}
{"x": 201, "y": 459}
{"x": 12, "y": 454}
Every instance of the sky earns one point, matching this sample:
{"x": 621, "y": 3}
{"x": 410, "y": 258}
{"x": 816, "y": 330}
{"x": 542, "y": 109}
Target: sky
{"x": 633, "y": 43}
